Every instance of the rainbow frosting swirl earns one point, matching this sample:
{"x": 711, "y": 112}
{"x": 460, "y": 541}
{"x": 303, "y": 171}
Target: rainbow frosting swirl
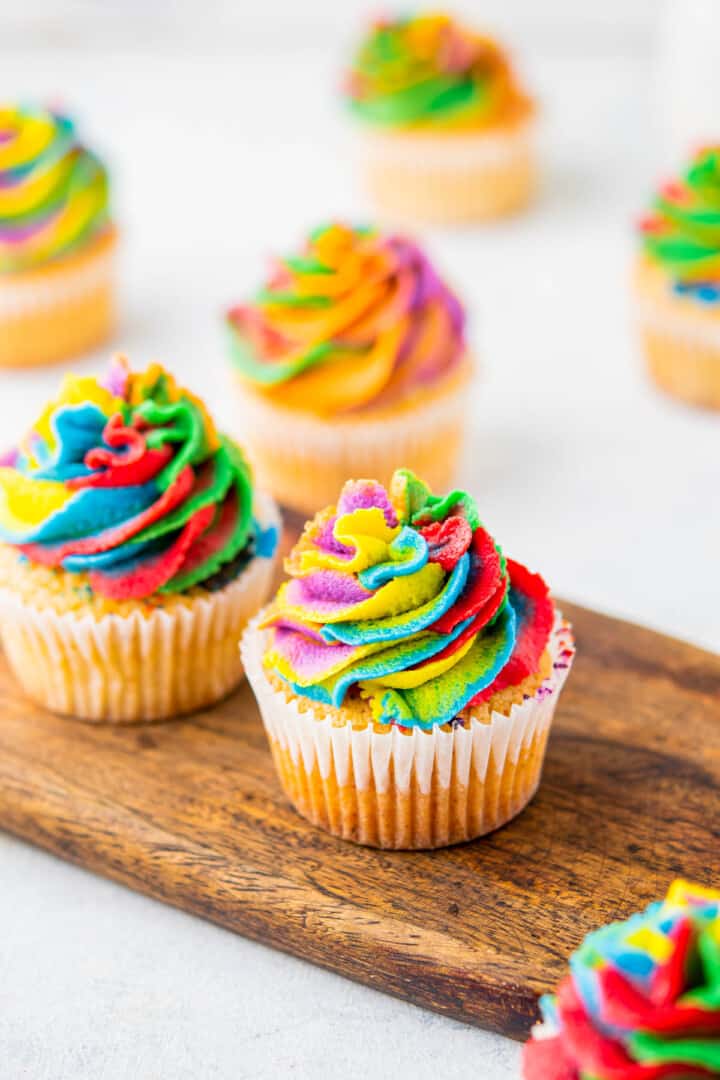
{"x": 357, "y": 319}
{"x": 53, "y": 191}
{"x": 642, "y": 1001}
{"x": 682, "y": 233}
{"x": 430, "y": 71}
{"x": 127, "y": 481}
{"x": 401, "y": 597}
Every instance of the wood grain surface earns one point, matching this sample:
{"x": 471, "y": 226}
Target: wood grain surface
{"x": 190, "y": 812}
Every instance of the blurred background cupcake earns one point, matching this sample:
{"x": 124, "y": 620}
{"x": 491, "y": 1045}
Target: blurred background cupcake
{"x": 134, "y": 550}
{"x": 642, "y": 998}
{"x": 445, "y": 128}
{"x": 678, "y": 283}
{"x": 407, "y": 674}
{"x": 350, "y": 359}
{"x": 57, "y": 240}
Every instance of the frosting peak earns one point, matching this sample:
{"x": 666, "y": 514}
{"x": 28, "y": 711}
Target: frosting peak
{"x": 429, "y": 70}
{"x": 402, "y": 597}
{"x": 128, "y": 482}
{"x": 642, "y": 1001}
{"x": 53, "y": 191}
{"x": 358, "y": 318}
{"x": 682, "y": 232}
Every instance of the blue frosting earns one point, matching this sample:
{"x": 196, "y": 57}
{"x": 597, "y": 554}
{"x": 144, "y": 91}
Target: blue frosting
{"x": 409, "y": 553}
{"x": 77, "y": 429}
{"x": 85, "y": 511}
{"x": 266, "y": 540}
{"x": 706, "y": 292}
{"x": 123, "y": 555}
{"x": 473, "y": 672}
{"x": 395, "y": 627}
{"x": 393, "y": 659}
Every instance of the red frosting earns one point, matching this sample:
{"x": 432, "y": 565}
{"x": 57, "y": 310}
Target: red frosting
{"x": 447, "y": 540}
{"x": 598, "y": 1055}
{"x": 485, "y": 580}
{"x": 133, "y": 463}
{"x": 216, "y": 537}
{"x": 147, "y": 577}
{"x": 545, "y": 1059}
{"x": 53, "y": 554}
{"x": 533, "y": 631}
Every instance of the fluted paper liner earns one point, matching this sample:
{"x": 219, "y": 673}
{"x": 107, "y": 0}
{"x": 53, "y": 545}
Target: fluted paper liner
{"x": 148, "y": 665}
{"x": 304, "y": 460}
{"x": 59, "y": 310}
{"x": 449, "y": 177}
{"x": 392, "y": 788}
{"x": 682, "y": 350}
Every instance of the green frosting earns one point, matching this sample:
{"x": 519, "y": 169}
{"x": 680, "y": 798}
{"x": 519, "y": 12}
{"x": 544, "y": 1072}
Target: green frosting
{"x": 429, "y": 70}
{"x": 682, "y": 233}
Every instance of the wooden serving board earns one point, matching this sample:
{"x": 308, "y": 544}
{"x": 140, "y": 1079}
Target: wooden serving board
{"x": 190, "y": 812}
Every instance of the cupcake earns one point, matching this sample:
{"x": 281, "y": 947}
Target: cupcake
{"x": 350, "y": 359}
{"x": 678, "y": 284}
{"x": 407, "y": 674}
{"x": 57, "y": 240}
{"x": 133, "y": 551}
{"x": 446, "y": 132}
{"x": 642, "y": 1000}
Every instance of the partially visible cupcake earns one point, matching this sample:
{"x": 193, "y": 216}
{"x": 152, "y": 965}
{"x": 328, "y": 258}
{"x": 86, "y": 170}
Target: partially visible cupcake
{"x": 408, "y": 673}
{"x": 446, "y": 131}
{"x": 678, "y": 283}
{"x": 57, "y": 240}
{"x": 351, "y": 358}
{"x": 642, "y": 1000}
{"x": 134, "y": 549}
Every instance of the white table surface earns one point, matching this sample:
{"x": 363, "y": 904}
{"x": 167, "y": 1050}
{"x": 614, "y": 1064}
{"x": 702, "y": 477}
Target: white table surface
{"x": 581, "y": 469}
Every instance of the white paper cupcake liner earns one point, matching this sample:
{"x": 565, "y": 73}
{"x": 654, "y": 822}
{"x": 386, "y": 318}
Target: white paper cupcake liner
{"x": 448, "y": 178}
{"x": 680, "y": 325}
{"x": 24, "y": 294}
{"x": 682, "y": 349}
{"x": 447, "y": 154}
{"x": 151, "y": 664}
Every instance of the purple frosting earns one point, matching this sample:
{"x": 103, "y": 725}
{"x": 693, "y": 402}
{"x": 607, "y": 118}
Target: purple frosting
{"x": 365, "y": 495}
{"x": 326, "y": 592}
